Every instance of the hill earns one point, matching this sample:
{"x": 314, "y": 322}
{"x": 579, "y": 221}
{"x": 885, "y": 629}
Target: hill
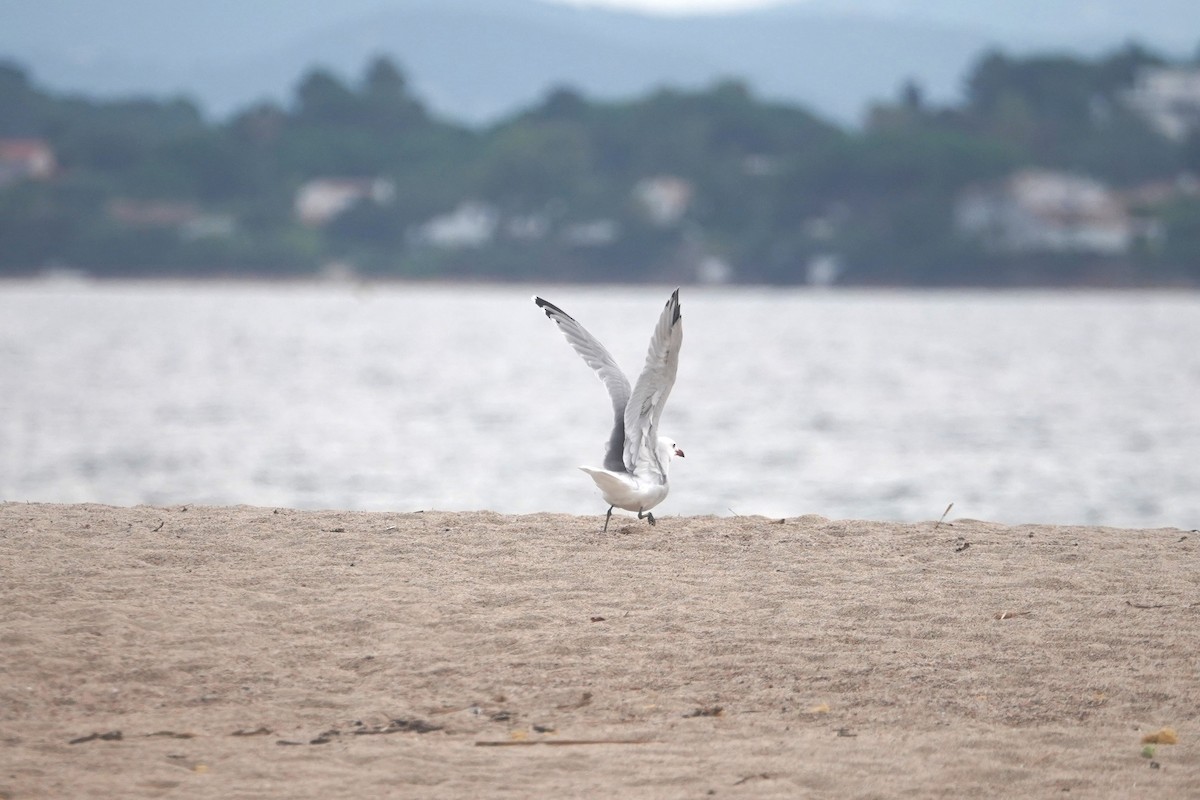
{"x": 477, "y": 60}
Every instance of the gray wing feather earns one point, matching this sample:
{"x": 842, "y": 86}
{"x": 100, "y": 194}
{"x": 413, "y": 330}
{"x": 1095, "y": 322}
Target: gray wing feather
{"x": 599, "y": 359}
{"x": 651, "y": 391}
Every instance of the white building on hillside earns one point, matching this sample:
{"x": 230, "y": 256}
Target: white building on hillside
{"x": 1043, "y": 211}
{"x": 25, "y": 159}
{"x": 664, "y": 199}
{"x": 1169, "y": 98}
{"x": 471, "y": 224}
{"x": 322, "y": 199}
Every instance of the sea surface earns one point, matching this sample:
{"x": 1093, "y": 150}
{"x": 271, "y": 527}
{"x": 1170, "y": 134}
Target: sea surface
{"x": 1063, "y": 407}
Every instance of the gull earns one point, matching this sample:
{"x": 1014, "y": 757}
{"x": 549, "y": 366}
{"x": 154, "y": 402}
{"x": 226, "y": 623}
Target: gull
{"x": 636, "y": 459}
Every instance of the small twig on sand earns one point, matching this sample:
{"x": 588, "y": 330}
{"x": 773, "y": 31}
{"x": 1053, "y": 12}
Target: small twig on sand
{"x": 943, "y": 517}
{"x": 710, "y": 711}
{"x": 1011, "y": 614}
{"x": 110, "y": 736}
{"x": 561, "y": 742}
{"x": 766, "y": 776}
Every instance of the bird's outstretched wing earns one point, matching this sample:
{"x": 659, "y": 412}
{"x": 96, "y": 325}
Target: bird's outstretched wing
{"x": 650, "y": 393}
{"x": 599, "y": 359}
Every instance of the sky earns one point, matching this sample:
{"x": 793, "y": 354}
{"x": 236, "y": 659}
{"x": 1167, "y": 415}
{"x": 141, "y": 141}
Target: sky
{"x": 675, "y": 6}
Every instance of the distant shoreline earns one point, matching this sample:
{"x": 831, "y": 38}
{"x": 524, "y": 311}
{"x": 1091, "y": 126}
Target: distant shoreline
{"x": 85, "y": 279}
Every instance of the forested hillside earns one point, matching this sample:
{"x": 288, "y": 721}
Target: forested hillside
{"x": 709, "y": 185}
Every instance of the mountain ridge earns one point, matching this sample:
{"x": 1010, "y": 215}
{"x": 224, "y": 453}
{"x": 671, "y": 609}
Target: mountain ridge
{"x": 834, "y": 58}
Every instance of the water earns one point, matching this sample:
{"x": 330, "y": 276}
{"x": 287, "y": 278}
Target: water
{"x": 1029, "y": 407}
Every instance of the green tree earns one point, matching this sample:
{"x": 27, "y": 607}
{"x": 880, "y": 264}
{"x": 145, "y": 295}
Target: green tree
{"x": 24, "y": 109}
{"x": 322, "y": 99}
{"x": 389, "y": 107}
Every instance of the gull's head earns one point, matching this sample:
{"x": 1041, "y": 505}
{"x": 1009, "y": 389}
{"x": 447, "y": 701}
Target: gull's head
{"x": 666, "y": 443}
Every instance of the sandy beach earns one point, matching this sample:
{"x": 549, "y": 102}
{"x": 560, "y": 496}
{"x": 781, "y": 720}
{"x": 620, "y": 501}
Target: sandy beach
{"x": 255, "y": 652}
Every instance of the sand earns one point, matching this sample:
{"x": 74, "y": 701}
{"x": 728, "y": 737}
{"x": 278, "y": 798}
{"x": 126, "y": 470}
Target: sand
{"x": 249, "y": 652}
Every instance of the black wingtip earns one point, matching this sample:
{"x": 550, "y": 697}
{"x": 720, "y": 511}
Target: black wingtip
{"x": 675, "y": 299}
{"x": 550, "y": 308}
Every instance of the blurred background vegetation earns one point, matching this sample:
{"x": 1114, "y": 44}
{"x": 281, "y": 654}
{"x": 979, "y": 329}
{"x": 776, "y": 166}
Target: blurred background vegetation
{"x": 361, "y": 180}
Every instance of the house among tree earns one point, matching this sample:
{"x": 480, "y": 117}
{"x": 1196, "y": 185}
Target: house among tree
{"x": 1040, "y": 211}
{"x": 25, "y": 159}
{"x": 663, "y": 198}
{"x": 471, "y": 224}
{"x": 1169, "y": 99}
{"x": 591, "y": 233}
{"x": 322, "y": 199}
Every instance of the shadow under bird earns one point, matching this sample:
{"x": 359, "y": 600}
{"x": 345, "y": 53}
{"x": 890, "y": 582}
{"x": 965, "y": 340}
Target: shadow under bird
{"x": 637, "y": 457}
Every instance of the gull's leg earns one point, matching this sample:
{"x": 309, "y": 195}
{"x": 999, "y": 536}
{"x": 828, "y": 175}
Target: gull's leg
{"x": 607, "y": 517}
{"x": 647, "y": 515}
